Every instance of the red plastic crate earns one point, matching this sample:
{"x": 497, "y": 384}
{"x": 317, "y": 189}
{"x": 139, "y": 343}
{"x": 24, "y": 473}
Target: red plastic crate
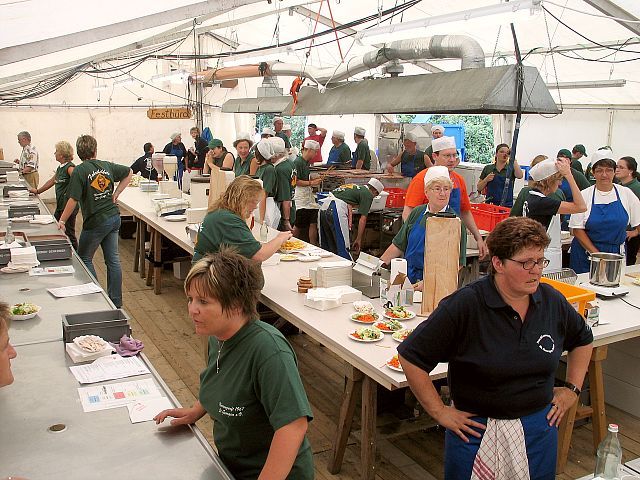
{"x": 487, "y": 216}
{"x": 396, "y": 197}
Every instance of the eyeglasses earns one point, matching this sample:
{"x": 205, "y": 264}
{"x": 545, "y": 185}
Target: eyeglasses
{"x": 529, "y": 264}
{"x": 448, "y": 156}
{"x": 599, "y": 171}
{"x": 440, "y": 189}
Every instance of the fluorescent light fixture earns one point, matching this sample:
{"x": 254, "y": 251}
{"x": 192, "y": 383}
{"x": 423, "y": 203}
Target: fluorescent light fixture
{"x": 509, "y": 12}
{"x": 175, "y": 76}
{"x": 257, "y": 57}
{"x": 588, "y": 84}
{"x": 124, "y": 82}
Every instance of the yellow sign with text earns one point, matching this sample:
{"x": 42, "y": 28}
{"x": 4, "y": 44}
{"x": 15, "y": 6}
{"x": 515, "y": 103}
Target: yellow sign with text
{"x": 169, "y": 113}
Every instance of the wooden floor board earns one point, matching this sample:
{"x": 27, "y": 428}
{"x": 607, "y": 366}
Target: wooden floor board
{"x": 162, "y": 322}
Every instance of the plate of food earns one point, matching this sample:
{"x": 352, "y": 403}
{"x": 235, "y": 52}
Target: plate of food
{"x": 24, "y": 311}
{"x": 288, "y": 257}
{"x": 175, "y": 218}
{"x": 398, "y": 312}
{"x": 401, "y": 335}
{"x": 366, "y": 334}
{"x": 389, "y": 326}
{"x": 365, "y": 317}
{"x": 309, "y": 258}
{"x": 394, "y": 363}
{"x": 362, "y": 306}
{"x": 292, "y": 245}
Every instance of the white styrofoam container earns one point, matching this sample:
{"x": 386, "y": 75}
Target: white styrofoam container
{"x": 379, "y": 202}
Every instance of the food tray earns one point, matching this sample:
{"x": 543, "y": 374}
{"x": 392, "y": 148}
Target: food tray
{"x": 111, "y": 325}
{"x": 576, "y": 296}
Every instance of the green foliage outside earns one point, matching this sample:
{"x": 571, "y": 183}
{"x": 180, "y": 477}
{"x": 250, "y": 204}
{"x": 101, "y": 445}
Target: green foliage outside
{"x": 478, "y": 134}
{"x": 298, "y": 126}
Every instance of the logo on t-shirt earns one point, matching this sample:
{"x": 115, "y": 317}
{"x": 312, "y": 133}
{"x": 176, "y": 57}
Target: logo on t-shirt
{"x": 100, "y": 183}
{"x": 546, "y": 343}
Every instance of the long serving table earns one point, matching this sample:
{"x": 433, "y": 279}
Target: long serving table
{"x": 44, "y": 432}
{"x": 366, "y": 367}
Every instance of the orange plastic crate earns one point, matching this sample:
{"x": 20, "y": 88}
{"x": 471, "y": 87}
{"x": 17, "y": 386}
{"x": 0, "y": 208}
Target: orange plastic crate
{"x": 576, "y": 296}
{"x": 487, "y": 216}
{"x": 396, "y": 197}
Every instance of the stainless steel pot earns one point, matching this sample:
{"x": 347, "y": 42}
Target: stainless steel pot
{"x": 606, "y": 269}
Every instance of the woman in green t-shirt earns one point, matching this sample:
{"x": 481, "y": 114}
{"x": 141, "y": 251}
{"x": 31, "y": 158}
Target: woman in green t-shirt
{"x": 251, "y": 385}
{"x": 243, "y": 161}
{"x": 226, "y": 223}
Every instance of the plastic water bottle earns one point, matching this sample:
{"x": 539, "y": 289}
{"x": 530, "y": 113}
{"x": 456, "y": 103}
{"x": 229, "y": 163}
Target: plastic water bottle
{"x": 9, "y": 237}
{"x": 609, "y": 456}
{"x": 264, "y": 232}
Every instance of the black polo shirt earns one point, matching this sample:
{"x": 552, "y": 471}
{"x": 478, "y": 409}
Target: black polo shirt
{"x": 499, "y": 366}
{"x": 539, "y": 207}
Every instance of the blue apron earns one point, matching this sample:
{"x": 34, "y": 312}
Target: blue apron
{"x": 454, "y": 198}
{"x": 606, "y": 228}
{"x": 496, "y": 189}
{"x": 566, "y": 189}
{"x": 334, "y": 155}
{"x": 354, "y": 159}
{"x": 415, "y": 248}
{"x": 177, "y": 152}
{"x": 408, "y": 166}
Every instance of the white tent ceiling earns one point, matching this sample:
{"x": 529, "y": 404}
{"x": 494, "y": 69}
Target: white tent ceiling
{"x": 73, "y": 32}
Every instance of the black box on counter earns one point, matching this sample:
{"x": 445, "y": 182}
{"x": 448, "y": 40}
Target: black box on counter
{"x": 23, "y": 209}
{"x": 5, "y": 253}
{"x": 110, "y": 325}
{"x": 51, "y": 247}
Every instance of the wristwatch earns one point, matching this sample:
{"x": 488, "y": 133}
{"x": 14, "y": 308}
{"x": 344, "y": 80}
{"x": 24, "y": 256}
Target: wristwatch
{"x": 573, "y": 388}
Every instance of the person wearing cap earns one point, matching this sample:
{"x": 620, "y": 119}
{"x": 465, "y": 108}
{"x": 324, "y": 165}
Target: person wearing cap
{"x": 278, "y": 124}
{"x": 334, "y": 217}
{"x": 410, "y": 239}
{"x": 603, "y": 226}
{"x": 411, "y": 159}
{"x": 218, "y": 156}
{"x": 143, "y": 164}
{"x": 305, "y": 199}
{"x": 516, "y": 210}
{"x": 176, "y": 148}
{"x": 340, "y": 153}
{"x": 499, "y": 177}
{"x": 267, "y": 133}
{"x": 577, "y": 153}
{"x": 582, "y": 182}
{"x": 269, "y": 212}
{"x": 196, "y": 155}
{"x": 285, "y": 184}
{"x": 602, "y": 152}
{"x": 242, "y": 162}
{"x": 627, "y": 175}
{"x": 546, "y": 177}
{"x": 362, "y": 156}
{"x": 445, "y": 155}
{"x": 226, "y": 223}
{"x": 317, "y": 134}
{"x": 437, "y": 131}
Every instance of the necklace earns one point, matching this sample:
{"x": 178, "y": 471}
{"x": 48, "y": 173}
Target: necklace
{"x": 218, "y": 357}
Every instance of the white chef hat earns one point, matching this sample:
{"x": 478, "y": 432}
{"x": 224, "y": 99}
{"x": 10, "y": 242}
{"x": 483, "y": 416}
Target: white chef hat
{"x": 174, "y": 136}
{"x": 275, "y": 119}
{"x": 377, "y": 184}
{"x": 359, "y": 131}
{"x": 268, "y": 131}
{"x": 286, "y": 126}
{"x": 312, "y": 144}
{"x": 443, "y": 143}
{"x": 338, "y": 134}
{"x": 436, "y": 172}
{"x": 543, "y": 170}
{"x": 412, "y": 137}
{"x": 600, "y": 154}
{"x": 439, "y": 128}
{"x": 244, "y": 136}
{"x": 278, "y": 145}
{"x": 265, "y": 148}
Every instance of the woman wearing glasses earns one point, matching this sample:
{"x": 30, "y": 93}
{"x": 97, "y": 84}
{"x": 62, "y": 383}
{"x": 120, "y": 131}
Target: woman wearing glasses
{"x": 603, "y": 227}
{"x": 503, "y": 337}
{"x": 409, "y": 241}
{"x": 545, "y": 179}
{"x": 499, "y": 188}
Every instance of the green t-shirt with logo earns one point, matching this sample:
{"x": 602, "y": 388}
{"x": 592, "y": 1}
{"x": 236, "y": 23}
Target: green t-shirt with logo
{"x": 356, "y": 195}
{"x": 251, "y": 387}
{"x": 223, "y": 227}
{"x": 62, "y": 178}
{"x": 267, "y": 173}
{"x": 92, "y": 184}
{"x": 286, "y": 187}
{"x": 240, "y": 167}
{"x": 363, "y": 153}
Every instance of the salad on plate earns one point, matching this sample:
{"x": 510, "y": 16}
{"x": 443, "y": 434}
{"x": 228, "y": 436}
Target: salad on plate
{"x": 401, "y": 335}
{"x": 366, "y": 334}
{"x": 398, "y": 312}
{"x": 365, "y": 317}
{"x": 394, "y": 363}
{"x": 389, "y": 325}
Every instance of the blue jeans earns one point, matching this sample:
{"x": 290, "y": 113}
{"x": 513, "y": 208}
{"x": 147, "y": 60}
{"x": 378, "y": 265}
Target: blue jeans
{"x": 105, "y": 236}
